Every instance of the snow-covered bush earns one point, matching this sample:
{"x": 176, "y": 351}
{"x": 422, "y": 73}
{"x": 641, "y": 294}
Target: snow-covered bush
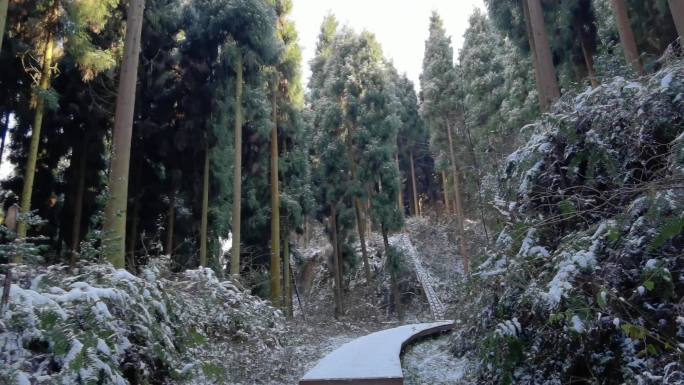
{"x": 590, "y": 260}
{"x": 99, "y": 325}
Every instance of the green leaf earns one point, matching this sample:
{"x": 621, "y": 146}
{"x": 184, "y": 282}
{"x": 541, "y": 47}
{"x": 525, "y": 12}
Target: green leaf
{"x": 670, "y": 229}
{"x": 601, "y": 300}
{"x": 566, "y": 207}
{"x": 649, "y": 285}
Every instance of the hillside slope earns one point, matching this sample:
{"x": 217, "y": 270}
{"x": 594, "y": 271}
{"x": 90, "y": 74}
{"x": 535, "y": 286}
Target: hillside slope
{"x": 585, "y": 282}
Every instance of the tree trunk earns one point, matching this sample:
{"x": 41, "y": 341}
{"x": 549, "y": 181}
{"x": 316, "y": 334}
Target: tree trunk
{"x": 133, "y": 236}
{"x": 414, "y": 190}
{"x": 78, "y": 202}
{"x": 360, "y": 224}
{"x": 171, "y": 218}
{"x": 287, "y": 274}
{"x": 400, "y": 195}
{"x": 396, "y": 295}
{"x": 115, "y": 213}
{"x": 626, "y": 35}
{"x": 205, "y": 209}
{"x": 445, "y": 187}
{"x": 547, "y": 71}
{"x": 275, "y": 203}
{"x": 306, "y": 232}
{"x": 44, "y": 85}
{"x": 535, "y": 61}
{"x": 5, "y": 128}
{"x": 3, "y": 19}
{"x": 588, "y": 53}
{"x": 237, "y": 173}
{"x": 457, "y": 202}
{"x": 677, "y": 11}
{"x": 336, "y": 262}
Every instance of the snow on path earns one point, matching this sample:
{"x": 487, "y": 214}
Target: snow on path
{"x": 371, "y": 357}
{"x": 403, "y": 241}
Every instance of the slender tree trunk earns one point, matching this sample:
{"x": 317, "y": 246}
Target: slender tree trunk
{"x": 78, "y": 202}
{"x": 115, "y": 212}
{"x": 360, "y": 225}
{"x": 5, "y": 128}
{"x": 396, "y": 294}
{"x": 275, "y": 203}
{"x": 627, "y": 35}
{"x": 3, "y": 19}
{"x": 133, "y": 236}
{"x": 457, "y": 202}
{"x": 287, "y": 274}
{"x": 336, "y": 262}
{"x": 237, "y": 174}
{"x": 535, "y": 61}
{"x": 30, "y": 171}
{"x": 205, "y": 209}
{"x": 547, "y": 71}
{"x": 171, "y": 218}
{"x": 588, "y": 53}
{"x": 400, "y": 196}
{"x": 445, "y": 187}
{"x": 414, "y": 190}
{"x": 677, "y": 11}
{"x": 306, "y": 232}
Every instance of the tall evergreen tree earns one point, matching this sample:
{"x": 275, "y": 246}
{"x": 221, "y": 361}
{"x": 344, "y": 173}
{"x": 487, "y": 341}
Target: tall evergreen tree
{"x": 677, "y": 10}
{"x": 49, "y": 21}
{"x": 115, "y": 214}
{"x": 412, "y": 137}
{"x": 292, "y": 169}
{"x": 542, "y": 53}
{"x": 3, "y": 19}
{"x": 438, "y": 82}
{"x": 626, "y": 34}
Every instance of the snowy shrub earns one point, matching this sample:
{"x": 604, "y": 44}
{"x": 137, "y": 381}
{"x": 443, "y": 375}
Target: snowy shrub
{"x": 106, "y": 326}
{"x": 590, "y": 259}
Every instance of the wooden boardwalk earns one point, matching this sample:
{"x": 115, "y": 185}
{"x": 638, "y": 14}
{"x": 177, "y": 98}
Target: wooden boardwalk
{"x": 424, "y": 278}
{"x": 373, "y": 359}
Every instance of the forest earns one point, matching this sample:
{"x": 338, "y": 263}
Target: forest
{"x": 185, "y": 204}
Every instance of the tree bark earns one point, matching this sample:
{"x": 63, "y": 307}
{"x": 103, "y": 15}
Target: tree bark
{"x": 287, "y": 274}
{"x": 677, "y": 11}
{"x": 445, "y": 187}
{"x": 3, "y": 20}
{"x": 547, "y": 71}
{"x": 5, "y": 128}
{"x": 414, "y": 190}
{"x": 171, "y": 218}
{"x": 588, "y": 53}
{"x": 78, "y": 202}
{"x": 360, "y": 224}
{"x": 457, "y": 202}
{"x": 400, "y": 195}
{"x": 396, "y": 294}
{"x": 237, "y": 174}
{"x": 135, "y": 221}
{"x": 115, "y": 212}
{"x": 336, "y": 262}
{"x": 535, "y": 61}
{"x": 205, "y": 209}
{"x": 30, "y": 172}
{"x": 275, "y": 202}
{"x": 627, "y": 35}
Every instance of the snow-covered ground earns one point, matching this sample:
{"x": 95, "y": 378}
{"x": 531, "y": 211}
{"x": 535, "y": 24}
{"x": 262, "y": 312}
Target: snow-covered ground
{"x": 431, "y": 362}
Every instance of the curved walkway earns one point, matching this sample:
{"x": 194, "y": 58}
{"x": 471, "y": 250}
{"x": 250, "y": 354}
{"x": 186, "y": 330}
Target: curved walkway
{"x": 372, "y": 359}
